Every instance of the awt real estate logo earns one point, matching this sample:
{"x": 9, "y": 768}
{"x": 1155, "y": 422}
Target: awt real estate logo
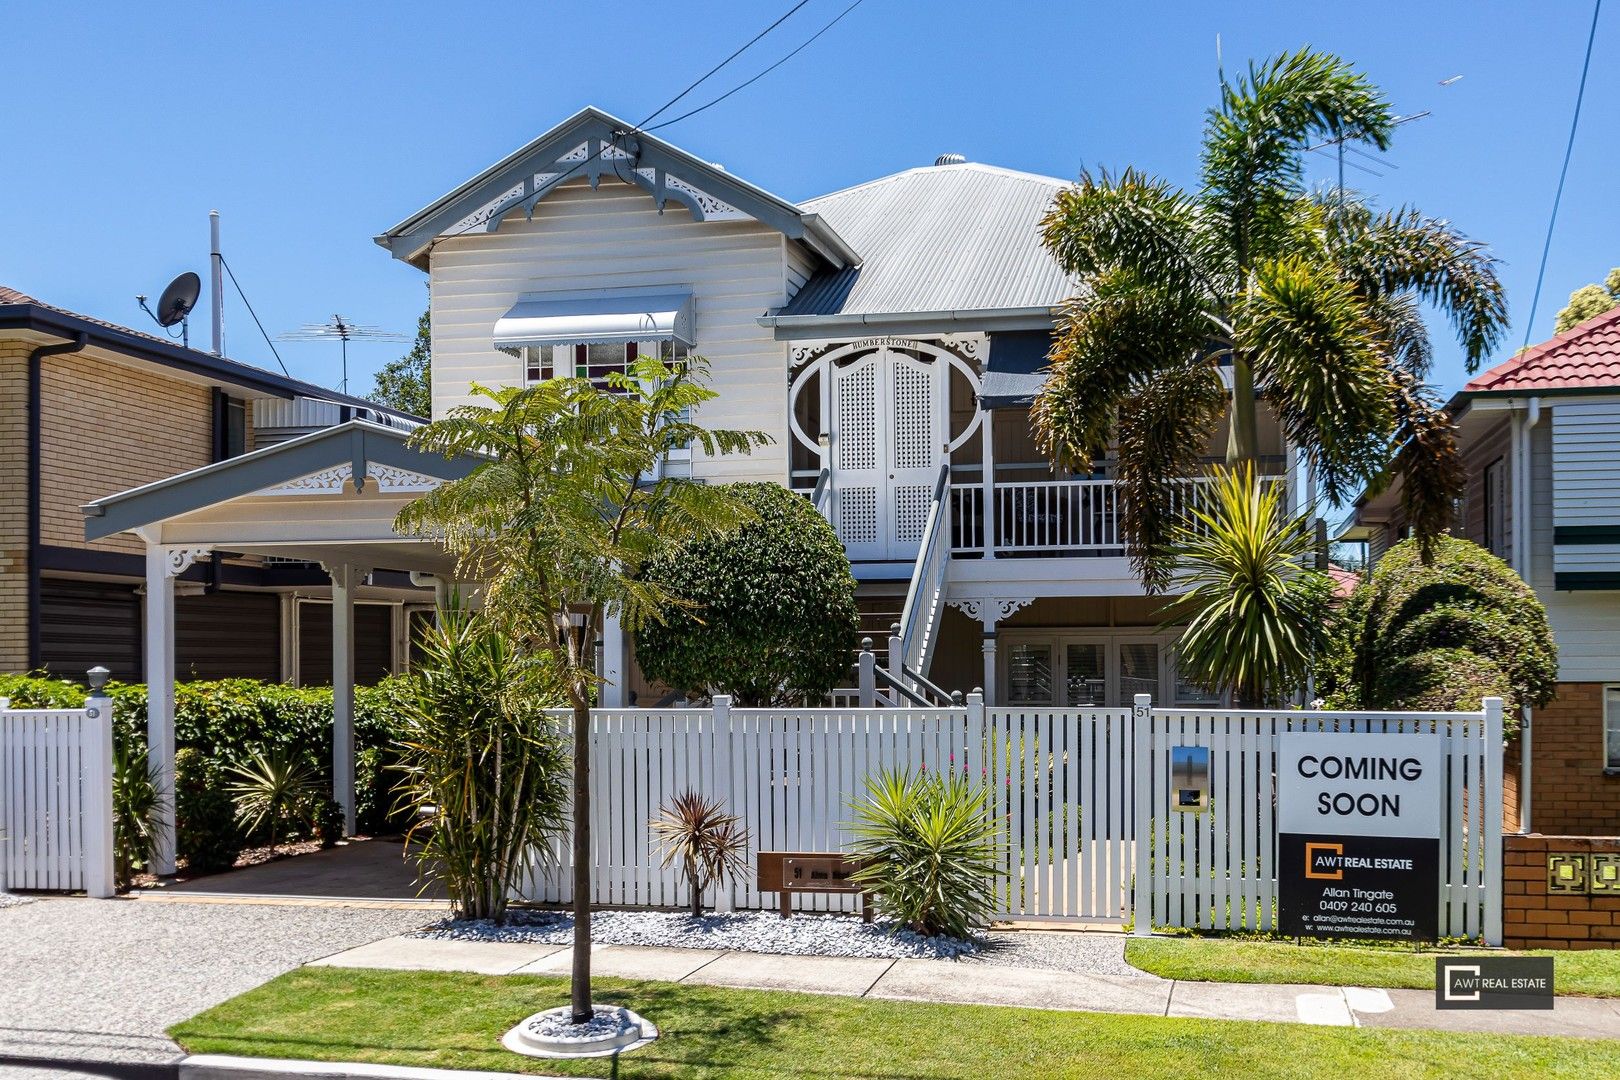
{"x": 1493, "y": 982}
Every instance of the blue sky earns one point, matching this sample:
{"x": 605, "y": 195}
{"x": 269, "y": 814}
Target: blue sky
{"x": 312, "y": 127}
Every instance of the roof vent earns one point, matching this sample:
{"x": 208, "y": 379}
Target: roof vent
{"x": 950, "y": 159}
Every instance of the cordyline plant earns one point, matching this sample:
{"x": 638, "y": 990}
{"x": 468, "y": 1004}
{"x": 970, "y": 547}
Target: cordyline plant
{"x": 1255, "y": 617}
{"x": 708, "y": 842}
{"x": 560, "y": 519}
{"x": 1311, "y": 300}
{"x": 484, "y": 767}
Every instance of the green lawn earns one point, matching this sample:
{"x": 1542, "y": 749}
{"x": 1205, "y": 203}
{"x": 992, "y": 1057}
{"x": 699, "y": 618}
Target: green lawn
{"x": 456, "y": 1020}
{"x": 1590, "y": 973}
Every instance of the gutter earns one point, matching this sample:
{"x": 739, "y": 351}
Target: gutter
{"x": 35, "y": 426}
{"x": 791, "y": 327}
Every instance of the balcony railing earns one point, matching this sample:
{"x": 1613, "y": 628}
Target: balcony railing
{"x": 1051, "y": 517}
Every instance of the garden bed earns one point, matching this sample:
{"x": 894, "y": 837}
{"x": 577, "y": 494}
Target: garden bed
{"x": 741, "y": 931}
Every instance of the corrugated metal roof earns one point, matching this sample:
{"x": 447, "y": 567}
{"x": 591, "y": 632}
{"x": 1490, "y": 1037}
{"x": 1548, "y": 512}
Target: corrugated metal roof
{"x": 1583, "y": 357}
{"x": 940, "y": 238}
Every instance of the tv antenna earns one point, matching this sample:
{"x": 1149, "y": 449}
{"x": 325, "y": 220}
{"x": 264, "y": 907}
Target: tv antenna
{"x": 175, "y": 305}
{"x": 344, "y": 330}
{"x": 1370, "y": 160}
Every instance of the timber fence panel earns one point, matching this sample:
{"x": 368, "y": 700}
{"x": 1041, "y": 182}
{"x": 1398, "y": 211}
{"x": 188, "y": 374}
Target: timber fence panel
{"x": 56, "y": 815}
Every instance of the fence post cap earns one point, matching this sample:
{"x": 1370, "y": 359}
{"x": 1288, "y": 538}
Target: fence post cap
{"x": 956, "y": 697}
{"x": 866, "y": 644}
{"x": 98, "y": 677}
{"x": 894, "y": 629}
{"x": 721, "y": 701}
{"x": 1144, "y": 699}
{"x": 977, "y": 691}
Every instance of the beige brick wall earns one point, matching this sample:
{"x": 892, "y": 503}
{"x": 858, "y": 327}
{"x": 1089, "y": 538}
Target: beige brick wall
{"x": 109, "y": 428}
{"x": 13, "y": 504}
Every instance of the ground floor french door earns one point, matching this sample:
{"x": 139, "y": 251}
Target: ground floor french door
{"x": 1089, "y": 668}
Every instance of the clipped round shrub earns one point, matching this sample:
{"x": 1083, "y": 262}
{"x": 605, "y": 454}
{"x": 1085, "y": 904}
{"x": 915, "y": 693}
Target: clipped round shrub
{"x": 774, "y": 620}
{"x": 1442, "y": 635}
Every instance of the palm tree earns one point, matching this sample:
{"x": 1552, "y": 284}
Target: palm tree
{"x": 1312, "y": 299}
{"x": 1255, "y": 617}
{"x": 560, "y": 520}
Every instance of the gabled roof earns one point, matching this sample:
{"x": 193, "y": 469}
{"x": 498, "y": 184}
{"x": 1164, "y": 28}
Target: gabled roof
{"x": 18, "y": 310}
{"x": 1584, "y": 357}
{"x": 593, "y": 144}
{"x": 954, "y": 239}
{"x": 351, "y": 448}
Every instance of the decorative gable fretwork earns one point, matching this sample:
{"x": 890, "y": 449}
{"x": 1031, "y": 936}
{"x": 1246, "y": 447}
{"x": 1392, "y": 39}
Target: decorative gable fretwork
{"x": 333, "y": 481}
{"x": 592, "y": 159}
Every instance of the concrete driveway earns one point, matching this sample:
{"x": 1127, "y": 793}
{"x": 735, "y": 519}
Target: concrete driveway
{"x": 100, "y": 980}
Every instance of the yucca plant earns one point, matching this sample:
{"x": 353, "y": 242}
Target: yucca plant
{"x": 135, "y": 802}
{"x": 1256, "y": 616}
{"x": 929, "y": 848}
{"x": 272, "y": 792}
{"x": 485, "y": 769}
{"x": 709, "y": 843}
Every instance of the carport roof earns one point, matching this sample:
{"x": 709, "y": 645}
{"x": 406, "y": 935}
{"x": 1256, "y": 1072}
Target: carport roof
{"x": 333, "y": 458}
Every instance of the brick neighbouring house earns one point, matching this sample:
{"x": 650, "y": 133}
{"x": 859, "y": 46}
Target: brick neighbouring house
{"x": 86, "y": 407}
{"x": 1540, "y": 437}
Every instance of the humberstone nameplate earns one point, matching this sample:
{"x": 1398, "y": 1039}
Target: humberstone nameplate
{"x": 1358, "y": 835}
{"x": 789, "y": 872}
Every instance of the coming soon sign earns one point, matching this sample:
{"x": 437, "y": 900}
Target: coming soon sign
{"x": 1358, "y": 835}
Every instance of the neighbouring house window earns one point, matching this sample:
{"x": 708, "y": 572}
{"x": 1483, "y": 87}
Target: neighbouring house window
{"x": 1029, "y": 674}
{"x": 1495, "y": 516}
{"x": 230, "y": 426}
{"x": 1611, "y": 727}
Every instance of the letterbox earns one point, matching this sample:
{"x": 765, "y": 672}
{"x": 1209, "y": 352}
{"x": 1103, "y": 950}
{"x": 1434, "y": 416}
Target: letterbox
{"x": 1189, "y": 778}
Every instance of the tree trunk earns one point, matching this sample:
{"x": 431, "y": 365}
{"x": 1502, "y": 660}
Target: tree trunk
{"x": 697, "y": 890}
{"x": 580, "y": 980}
{"x": 1241, "y": 440}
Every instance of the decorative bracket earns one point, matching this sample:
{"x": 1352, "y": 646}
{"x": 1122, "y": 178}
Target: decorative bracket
{"x": 180, "y": 559}
{"x": 990, "y": 610}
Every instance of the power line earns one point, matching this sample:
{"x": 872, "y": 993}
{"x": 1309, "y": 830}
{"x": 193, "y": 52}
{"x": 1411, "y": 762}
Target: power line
{"x": 232, "y": 274}
{"x": 642, "y": 126}
{"x": 1563, "y": 174}
{"x": 744, "y": 85}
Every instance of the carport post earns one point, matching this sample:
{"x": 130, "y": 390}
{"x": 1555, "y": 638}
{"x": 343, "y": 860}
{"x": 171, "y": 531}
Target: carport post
{"x": 161, "y": 567}
{"x": 344, "y": 580}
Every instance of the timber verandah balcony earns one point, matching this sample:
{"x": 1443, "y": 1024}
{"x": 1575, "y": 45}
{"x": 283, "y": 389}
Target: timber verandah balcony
{"x": 1051, "y": 518}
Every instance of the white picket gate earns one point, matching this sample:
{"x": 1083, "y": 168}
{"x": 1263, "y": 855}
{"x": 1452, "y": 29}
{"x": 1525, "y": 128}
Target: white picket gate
{"x": 56, "y": 817}
{"x": 791, "y": 775}
{"x": 1217, "y": 870}
{"x": 1083, "y": 796}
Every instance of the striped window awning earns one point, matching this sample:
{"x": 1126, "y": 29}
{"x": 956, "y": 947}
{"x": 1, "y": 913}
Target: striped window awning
{"x": 608, "y": 317}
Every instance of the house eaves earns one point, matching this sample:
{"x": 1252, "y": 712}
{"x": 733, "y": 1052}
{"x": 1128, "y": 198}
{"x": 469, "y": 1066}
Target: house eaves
{"x": 797, "y": 327}
{"x": 57, "y": 322}
{"x": 593, "y": 144}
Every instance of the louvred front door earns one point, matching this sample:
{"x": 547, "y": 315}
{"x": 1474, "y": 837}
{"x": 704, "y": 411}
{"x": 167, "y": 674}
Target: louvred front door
{"x": 885, "y": 452}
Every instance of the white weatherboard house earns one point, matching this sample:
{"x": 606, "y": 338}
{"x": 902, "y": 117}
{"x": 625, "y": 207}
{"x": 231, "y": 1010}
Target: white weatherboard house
{"x": 888, "y": 337}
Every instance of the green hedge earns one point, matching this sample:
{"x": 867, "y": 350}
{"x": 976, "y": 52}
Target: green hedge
{"x": 1441, "y": 635}
{"x": 218, "y": 725}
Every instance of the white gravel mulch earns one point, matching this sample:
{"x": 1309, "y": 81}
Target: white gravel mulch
{"x": 13, "y": 900}
{"x": 742, "y": 931}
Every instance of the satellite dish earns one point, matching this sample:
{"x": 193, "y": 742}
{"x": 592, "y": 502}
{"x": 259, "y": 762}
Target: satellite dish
{"x": 178, "y": 299}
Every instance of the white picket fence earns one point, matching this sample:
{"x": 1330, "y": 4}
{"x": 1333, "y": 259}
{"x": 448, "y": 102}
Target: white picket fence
{"x": 56, "y": 817}
{"x": 1217, "y": 870}
{"x": 1082, "y": 794}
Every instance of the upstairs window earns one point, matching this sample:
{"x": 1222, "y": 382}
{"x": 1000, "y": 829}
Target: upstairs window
{"x": 1495, "y": 510}
{"x": 595, "y": 362}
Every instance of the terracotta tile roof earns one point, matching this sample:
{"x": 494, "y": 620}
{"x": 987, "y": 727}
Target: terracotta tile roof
{"x": 1581, "y": 357}
{"x": 12, "y": 296}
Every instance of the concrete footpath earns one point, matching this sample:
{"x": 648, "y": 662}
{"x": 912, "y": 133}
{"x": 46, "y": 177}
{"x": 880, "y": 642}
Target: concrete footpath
{"x": 968, "y": 982}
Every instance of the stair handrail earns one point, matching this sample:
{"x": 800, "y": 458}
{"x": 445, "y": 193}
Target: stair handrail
{"x": 823, "y": 488}
{"x": 926, "y": 568}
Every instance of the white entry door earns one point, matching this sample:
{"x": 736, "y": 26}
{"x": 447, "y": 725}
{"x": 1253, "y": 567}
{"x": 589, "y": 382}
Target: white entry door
{"x": 886, "y": 452}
